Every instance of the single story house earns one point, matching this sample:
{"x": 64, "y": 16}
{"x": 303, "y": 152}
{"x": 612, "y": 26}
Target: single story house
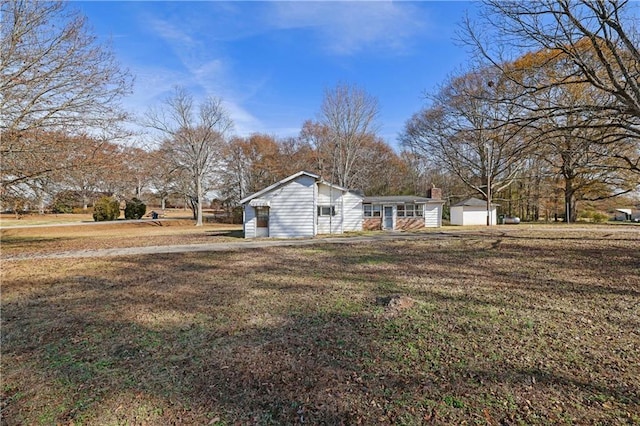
{"x": 402, "y": 212}
{"x": 472, "y": 211}
{"x": 301, "y": 205}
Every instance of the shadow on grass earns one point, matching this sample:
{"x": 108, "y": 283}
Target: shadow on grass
{"x": 273, "y": 336}
{"x": 234, "y": 233}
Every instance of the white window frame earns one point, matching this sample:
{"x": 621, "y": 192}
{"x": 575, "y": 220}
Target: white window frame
{"x": 326, "y": 211}
{"x": 410, "y": 210}
{"x": 374, "y": 210}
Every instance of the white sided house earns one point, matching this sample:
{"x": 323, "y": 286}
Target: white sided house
{"x": 301, "y": 205}
{"x": 472, "y": 211}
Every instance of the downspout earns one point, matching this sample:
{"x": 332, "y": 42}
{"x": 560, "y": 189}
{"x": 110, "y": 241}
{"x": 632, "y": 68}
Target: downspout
{"x": 330, "y": 208}
{"x": 315, "y": 208}
{"x": 342, "y": 212}
{"x": 244, "y": 222}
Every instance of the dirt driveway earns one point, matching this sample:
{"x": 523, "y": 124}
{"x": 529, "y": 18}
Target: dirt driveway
{"x": 227, "y": 246}
{"x": 529, "y": 231}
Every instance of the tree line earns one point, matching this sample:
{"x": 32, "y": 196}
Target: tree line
{"x": 544, "y": 117}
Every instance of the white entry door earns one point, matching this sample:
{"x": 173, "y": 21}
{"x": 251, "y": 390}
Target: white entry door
{"x": 388, "y": 217}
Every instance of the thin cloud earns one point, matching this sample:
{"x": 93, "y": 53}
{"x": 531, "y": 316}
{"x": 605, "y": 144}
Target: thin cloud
{"x": 203, "y": 72}
{"x": 166, "y": 30}
{"x": 345, "y": 28}
{"x": 197, "y": 39}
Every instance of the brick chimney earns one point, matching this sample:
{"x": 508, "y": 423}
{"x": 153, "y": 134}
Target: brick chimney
{"x": 435, "y": 193}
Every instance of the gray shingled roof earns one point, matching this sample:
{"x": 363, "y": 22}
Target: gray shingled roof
{"x": 397, "y": 199}
{"x": 474, "y": 202}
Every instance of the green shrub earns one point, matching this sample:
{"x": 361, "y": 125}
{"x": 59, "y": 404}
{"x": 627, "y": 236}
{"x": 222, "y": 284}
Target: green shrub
{"x": 106, "y": 208}
{"x": 61, "y": 207}
{"x": 63, "y": 202}
{"x": 134, "y": 209}
{"x": 593, "y": 216}
{"x": 598, "y": 217}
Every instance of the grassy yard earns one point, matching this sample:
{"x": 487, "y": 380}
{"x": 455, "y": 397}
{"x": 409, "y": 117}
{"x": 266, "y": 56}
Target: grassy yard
{"x": 104, "y": 235}
{"x": 523, "y": 326}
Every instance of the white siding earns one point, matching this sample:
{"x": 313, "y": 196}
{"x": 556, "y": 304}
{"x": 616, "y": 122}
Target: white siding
{"x": 291, "y": 213}
{"x": 474, "y": 216}
{"x": 352, "y": 208}
{"x": 249, "y": 221}
{"x": 471, "y": 215}
{"x": 494, "y": 217}
{"x": 328, "y": 196}
{"x": 433, "y": 215}
{"x": 456, "y": 215}
{"x": 293, "y": 209}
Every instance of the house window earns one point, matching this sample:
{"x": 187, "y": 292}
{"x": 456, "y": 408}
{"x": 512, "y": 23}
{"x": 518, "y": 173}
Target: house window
{"x": 372, "y": 210}
{"x": 262, "y": 217}
{"x": 326, "y": 210}
{"x": 410, "y": 210}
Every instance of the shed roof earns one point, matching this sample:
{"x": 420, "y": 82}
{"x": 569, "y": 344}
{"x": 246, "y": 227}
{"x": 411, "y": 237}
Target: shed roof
{"x": 473, "y": 202}
{"x": 400, "y": 199}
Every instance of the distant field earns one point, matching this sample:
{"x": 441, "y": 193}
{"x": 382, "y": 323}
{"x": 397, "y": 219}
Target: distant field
{"x": 9, "y": 219}
{"x": 92, "y": 236}
{"x": 516, "y": 325}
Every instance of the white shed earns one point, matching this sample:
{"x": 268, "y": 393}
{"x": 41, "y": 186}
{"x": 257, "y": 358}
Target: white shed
{"x": 472, "y": 211}
{"x": 301, "y": 205}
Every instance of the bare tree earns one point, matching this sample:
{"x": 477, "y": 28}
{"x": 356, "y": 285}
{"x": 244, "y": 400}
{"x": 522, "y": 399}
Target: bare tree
{"x": 598, "y": 40}
{"x": 161, "y": 175}
{"x": 195, "y": 137}
{"x": 348, "y": 115}
{"x": 54, "y": 77}
{"x": 465, "y": 130}
{"x": 582, "y": 149}
{"x": 316, "y": 136}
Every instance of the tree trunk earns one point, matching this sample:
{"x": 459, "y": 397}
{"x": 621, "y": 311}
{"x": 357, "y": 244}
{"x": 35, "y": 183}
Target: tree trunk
{"x": 199, "y": 207}
{"x": 570, "y": 213}
{"x": 193, "y": 205}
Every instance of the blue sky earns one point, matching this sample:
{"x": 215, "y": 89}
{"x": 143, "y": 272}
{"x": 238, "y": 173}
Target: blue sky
{"x": 272, "y": 61}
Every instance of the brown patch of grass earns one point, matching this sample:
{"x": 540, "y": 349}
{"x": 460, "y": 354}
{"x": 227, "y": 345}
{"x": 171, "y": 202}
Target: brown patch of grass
{"x": 51, "y": 239}
{"x": 507, "y": 328}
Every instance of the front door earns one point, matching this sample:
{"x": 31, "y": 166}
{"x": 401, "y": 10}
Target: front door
{"x": 388, "y": 217}
{"x": 262, "y": 221}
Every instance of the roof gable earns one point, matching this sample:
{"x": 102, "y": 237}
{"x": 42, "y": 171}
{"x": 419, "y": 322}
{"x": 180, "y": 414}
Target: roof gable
{"x": 278, "y": 184}
{"x": 339, "y": 188}
{"x": 473, "y": 202}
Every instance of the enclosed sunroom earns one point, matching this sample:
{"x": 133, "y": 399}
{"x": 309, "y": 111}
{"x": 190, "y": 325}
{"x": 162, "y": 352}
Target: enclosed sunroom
{"x": 401, "y": 212}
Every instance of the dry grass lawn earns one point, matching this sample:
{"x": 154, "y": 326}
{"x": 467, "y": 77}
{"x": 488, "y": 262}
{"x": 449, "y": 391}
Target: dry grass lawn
{"x": 103, "y": 235}
{"x": 523, "y": 326}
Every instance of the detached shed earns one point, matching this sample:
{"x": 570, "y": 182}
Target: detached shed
{"x": 301, "y": 205}
{"x": 473, "y": 211}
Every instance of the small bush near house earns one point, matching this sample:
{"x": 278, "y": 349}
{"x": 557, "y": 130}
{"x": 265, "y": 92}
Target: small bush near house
{"x": 63, "y": 203}
{"x": 61, "y": 207}
{"x": 593, "y": 216}
{"x": 134, "y": 209}
{"x": 598, "y": 217}
{"x": 106, "y": 208}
